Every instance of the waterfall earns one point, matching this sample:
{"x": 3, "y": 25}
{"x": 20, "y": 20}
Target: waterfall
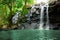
{"x": 41, "y": 17}
{"x": 42, "y": 7}
{"x": 47, "y": 22}
{"x": 41, "y": 27}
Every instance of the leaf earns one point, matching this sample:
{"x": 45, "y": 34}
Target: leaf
{"x": 30, "y": 1}
{"x": 20, "y": 3}
{"x": 25, "y": 11}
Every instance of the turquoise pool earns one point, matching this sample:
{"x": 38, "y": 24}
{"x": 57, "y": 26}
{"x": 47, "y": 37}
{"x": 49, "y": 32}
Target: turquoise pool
{"x": 30, "y": 35}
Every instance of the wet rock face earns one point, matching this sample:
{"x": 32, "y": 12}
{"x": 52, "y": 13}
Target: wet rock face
{"x": 34, "y": 16}
{"x": 15, "y": 18}
{"x": 55, "y": 15}
{"x": 29, "y": 26}
{"x": 33, "y": 19}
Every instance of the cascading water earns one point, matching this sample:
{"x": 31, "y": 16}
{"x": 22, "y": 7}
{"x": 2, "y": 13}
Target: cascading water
{"x": 41, "y": 17}
{"x": 32, "y": 19}
{"x": 42, "y": 7}
{"x": 41, "y": 27}
{"x": 47, "y": 23}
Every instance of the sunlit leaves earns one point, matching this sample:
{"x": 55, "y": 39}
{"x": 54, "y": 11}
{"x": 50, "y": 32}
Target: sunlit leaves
{"x": 30, "y": 1}
{"x": 4, "y": 13}
{"x": 20, "y": 3}
{"x": 16, "y": 5}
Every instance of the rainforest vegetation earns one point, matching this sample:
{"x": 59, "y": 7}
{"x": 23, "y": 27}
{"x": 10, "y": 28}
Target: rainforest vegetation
{"x": 8, "y": 9}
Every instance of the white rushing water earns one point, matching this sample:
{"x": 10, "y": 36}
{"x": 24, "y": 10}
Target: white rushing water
{"x": 47, "y": 22}
{"x": 41, "y": 18}
{"x": 42, "y": 7}
{"x": 41, "y": 27}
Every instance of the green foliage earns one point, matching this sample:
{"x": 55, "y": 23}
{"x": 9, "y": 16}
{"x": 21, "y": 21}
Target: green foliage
{"x": 20, "y": 3}
{"x": 4, "y": 13}
{"x": 15, "y": 5}
{"x": 30, "y": 1}
{"x": 25, "y": 11}
{"x": 7, "y": 1}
